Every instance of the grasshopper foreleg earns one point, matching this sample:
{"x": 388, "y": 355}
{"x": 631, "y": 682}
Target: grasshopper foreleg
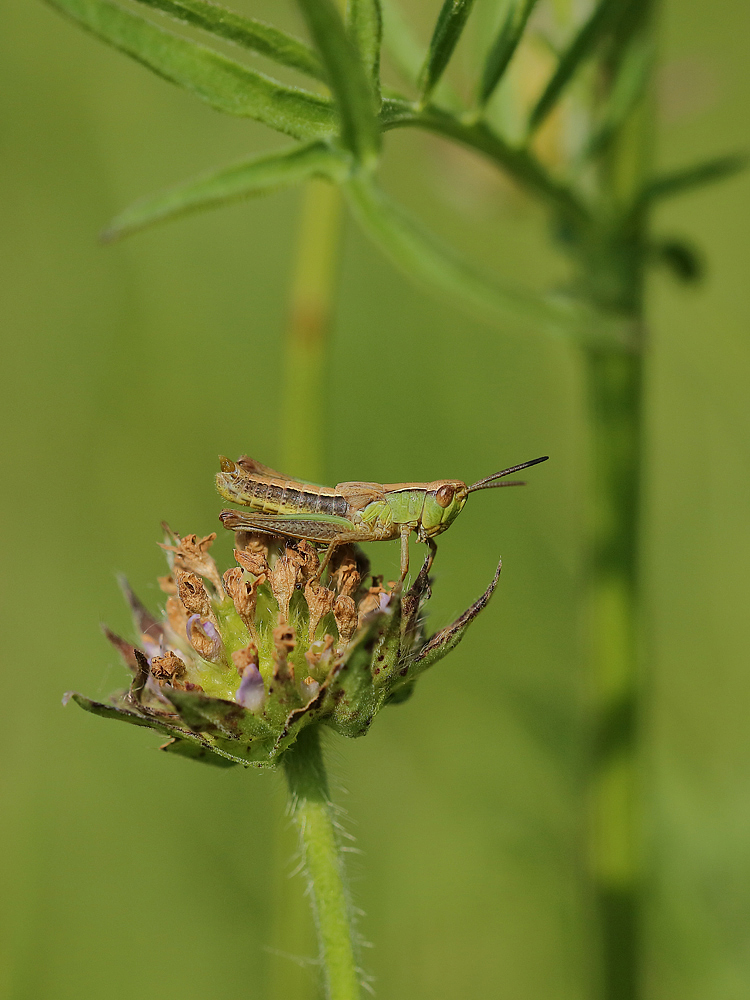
{"x": 405, "y": 532}
{"x": 429, "y": 542}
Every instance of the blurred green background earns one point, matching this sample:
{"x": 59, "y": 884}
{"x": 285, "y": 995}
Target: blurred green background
{"x": 126, "y": 370}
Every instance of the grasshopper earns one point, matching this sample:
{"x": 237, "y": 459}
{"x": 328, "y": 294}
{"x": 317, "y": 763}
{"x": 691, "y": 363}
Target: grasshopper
{"x": 350, "y": 512}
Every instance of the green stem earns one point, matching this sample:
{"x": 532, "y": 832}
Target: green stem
{"x": 613, "y": 271}
{"x": 522, "y": 165}
{"x": 312, "y": 812}
{"x": 311, "y": 305}
{"x": 302, "y": 422}
{"x": 615, "y": 398}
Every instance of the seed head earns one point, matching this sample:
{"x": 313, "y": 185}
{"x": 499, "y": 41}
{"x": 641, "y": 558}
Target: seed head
{"x": 235, "y": 666}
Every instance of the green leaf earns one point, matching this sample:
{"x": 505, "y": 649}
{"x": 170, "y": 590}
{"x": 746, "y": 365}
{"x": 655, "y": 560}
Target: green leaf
{"x": 577, "y": 52}
{"x": 450, "y": 24}
{"x": 221, "y": 718}
{"x": 167, "y": 728}
{"x": 245, "y": 31}
{"x": 254, "y": 176}
{"x": 448, "y": 638}
{"x": 630, "y": 83}
{"x": 519, "y": 163}
{"x": 423, "y": 257}
{"x": 504, "y": 47}
{"x": 197, "y": 751}
{"x": 121, "y": 714}
{"x": 360, "y": 132}
{"x": 683, "y": 180}
{"x": 365, "y": 23}
{"x": 226, "y": 85}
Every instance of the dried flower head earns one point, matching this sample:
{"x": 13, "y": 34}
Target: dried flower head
{"x": 236, "y": 666}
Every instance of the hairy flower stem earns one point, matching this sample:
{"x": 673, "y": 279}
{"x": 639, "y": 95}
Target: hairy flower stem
{"x": 312, "y": 812}
{"x": 311, "y": 305}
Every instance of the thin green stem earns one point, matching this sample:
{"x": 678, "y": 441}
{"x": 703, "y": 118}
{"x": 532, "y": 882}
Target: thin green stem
{"x": 302, "y": 447}
{"x": 311, "y": 305}
{"x": 519, "y": 163}
{"x": 312, "y": 812}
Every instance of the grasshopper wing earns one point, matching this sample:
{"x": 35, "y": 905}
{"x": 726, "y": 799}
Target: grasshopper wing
{"x": 358, "y": 495}
{"x": 318, "y": 528}
{"x": 258, "y": 469}
{"x": 255, "y": 468}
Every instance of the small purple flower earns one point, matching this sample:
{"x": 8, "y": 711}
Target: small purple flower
{"x": 251, "y": 693}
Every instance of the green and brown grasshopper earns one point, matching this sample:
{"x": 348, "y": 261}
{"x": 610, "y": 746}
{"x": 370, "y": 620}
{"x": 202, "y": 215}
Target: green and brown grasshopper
{"x": 350, "y": 512}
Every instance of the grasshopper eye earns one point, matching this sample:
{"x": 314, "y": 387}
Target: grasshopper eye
{"x": 444, "y": 495}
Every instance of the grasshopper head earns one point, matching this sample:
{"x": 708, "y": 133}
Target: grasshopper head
{"x": 443, "y": 503}
{"x": 230, "y": 482}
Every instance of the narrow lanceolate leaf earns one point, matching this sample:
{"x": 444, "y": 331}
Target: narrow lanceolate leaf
{"x": 573, "y": 57}
{"x": 423, "y": 257}
{"x": 245, "y": 31}
{"x": 365, "y": 23}
{"x": 450, "y": 24}
{"x": 347, "y": 78}
{"x": 683, "y": 180}
{"x": 223, "y": 83}
{"x": 503, "y": 48}
{"x": 448, "y": 638}
{"x": 254, "y": 176}
{"x": 519, "y": 163}
{"x": 197, "y": 751}
{"x": 629, "y": 87}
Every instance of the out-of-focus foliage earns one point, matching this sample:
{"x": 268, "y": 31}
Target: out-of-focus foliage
{"x": 126, "y": 370}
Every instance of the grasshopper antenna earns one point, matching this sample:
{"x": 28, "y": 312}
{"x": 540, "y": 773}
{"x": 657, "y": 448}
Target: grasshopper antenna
{"x": 491, "y": 481}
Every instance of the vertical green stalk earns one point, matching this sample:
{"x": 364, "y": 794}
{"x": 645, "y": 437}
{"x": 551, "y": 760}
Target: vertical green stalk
{"x": 613, "y": 271}
{"x": 311, "y": 304}
{"x": 302, "y": 453}
{"x": 312, "y": 812}
{"x": 615, "y": 398}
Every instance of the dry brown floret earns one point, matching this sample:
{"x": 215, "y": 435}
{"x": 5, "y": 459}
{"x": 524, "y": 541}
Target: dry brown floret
{"x": 345, "y": 613}
{"x": 345, "y": 571}
{"x": 168, "y": 668}
{"x": 254, "y": 562}
{"x": 284, "y": 642}
{"x": 191, "y": 556}
{"x": 319, "y": 602}
{"x": 244, "y": 595}
{"x": 283, "y": 580}
{"x": 245, "y": 657}
{"x": 194, "y": 595}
